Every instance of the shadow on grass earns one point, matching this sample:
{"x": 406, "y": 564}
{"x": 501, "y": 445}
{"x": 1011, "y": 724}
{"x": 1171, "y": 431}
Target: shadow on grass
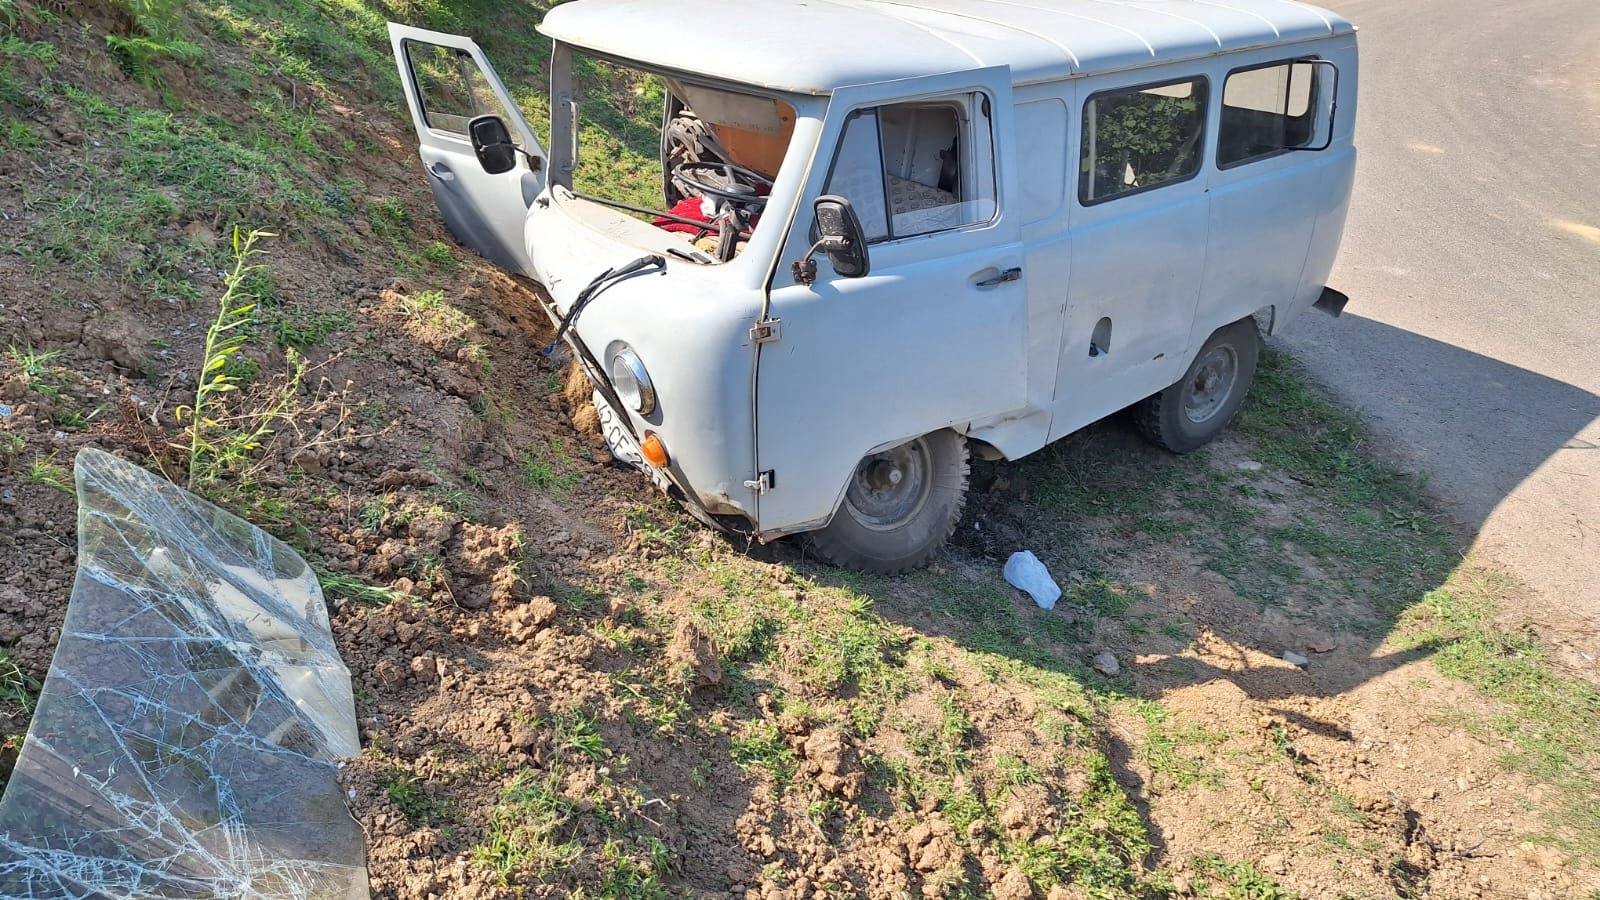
{"x": 1289, "y": 535}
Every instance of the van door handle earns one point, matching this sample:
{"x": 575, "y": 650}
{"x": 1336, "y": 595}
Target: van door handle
{"x": 1011, "y": 274}
{"x": 441, "y": 171}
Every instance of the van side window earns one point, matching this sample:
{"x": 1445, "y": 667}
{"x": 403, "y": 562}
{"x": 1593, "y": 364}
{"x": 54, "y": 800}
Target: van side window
{"x": 1266, "y": 110}
{"x": 1137, "y": 138}
{"x": 917, "y": 168}
{"x": 452, "y": 88}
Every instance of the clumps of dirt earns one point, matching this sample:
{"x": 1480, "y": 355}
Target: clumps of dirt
{"x": 578, "y": 395}
{"x": 830, "y": 758}
{"x": 692, "y": 655}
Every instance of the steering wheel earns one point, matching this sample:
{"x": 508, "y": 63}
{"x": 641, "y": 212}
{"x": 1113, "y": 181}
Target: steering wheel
{"x": 730, "y": 172}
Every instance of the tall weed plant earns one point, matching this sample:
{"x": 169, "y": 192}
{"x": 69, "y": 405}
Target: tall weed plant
{"x": 235, "y": 424}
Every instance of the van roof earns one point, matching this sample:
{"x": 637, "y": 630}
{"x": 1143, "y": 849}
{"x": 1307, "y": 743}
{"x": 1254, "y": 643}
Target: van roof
{"x": 814, "y": 46}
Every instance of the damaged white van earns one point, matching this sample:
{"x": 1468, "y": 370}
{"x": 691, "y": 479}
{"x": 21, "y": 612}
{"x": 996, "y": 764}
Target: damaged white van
{"x": 893, "y": 235}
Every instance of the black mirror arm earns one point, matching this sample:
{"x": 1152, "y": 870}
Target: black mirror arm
{"x": 535, "y": 163}
{"x": 805, "y": 268}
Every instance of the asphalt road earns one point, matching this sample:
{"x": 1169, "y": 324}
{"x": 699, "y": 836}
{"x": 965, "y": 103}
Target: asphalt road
{"x": 1472, "y": 259}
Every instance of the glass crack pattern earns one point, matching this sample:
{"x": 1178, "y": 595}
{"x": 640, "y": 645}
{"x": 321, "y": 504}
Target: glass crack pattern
{"x": 186, "y": 739}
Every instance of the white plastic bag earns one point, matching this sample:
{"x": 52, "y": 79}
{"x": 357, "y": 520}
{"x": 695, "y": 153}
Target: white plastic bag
{"x": 1026, "y": 572}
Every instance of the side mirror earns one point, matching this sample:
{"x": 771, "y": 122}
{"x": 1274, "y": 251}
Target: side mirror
{"x": 841, "y": 235}
{"x": 492, "y": 143}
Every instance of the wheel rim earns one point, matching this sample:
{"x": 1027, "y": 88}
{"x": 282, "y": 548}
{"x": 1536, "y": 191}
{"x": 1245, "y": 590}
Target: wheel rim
{"x": 890, "y": 488}
{"x": 1209, "y": 388}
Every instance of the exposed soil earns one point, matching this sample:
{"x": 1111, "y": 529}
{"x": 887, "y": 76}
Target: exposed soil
{"x": 532, "y": 610}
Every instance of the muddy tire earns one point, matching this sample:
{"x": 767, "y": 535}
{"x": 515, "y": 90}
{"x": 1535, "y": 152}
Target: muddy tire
{"x": 900, "y": 506}
{"x": 1190, "y": 414}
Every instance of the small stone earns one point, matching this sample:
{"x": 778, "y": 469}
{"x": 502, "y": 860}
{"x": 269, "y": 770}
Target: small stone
{"x": 1294, "y": 659}
{"x": 1105, "y": 662}
{"x": 1248, "y": 465}
{"x": 1274, "y": 864}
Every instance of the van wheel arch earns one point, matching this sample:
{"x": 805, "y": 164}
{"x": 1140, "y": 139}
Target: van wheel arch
{"x": 899, "y": 507}
{"x": 1193, "y": 411}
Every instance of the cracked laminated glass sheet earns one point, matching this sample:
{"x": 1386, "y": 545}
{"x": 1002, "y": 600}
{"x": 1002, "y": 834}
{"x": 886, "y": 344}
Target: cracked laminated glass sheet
{"x": 185, "y": 741}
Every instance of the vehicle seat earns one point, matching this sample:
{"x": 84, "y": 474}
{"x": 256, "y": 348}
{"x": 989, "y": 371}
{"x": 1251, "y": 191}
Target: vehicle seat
{"x": 919, "y": 208}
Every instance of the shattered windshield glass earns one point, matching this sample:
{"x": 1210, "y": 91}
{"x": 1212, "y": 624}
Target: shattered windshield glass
{"x": 186, "y": 738}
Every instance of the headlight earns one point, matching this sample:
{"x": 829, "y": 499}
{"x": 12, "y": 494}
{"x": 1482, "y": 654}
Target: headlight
{"x": 632, "y": 382}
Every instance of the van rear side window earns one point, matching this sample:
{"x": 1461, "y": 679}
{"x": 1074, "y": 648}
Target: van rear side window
{"x": 1266, "y": 110}
{"x": 1137, "y": 138}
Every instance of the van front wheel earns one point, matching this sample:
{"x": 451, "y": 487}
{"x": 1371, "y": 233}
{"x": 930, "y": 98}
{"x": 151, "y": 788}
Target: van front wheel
{"x": 1189, "y": 414}
{"x": 900, "y": 506}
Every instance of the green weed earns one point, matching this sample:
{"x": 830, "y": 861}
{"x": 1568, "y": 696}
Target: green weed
{"x": 1237, "y": 881}
{"x": 580, "y": 733}
{"x": 440, "y": 257}
{"x": 548, "y": 467}
{"x": 300, "y": 327}
{"x": 408, "y": 791}
{"x": 45, "y": 470}
{"x": 338, "y": 585}
{"x": 31, "y": 363}
{"x": 526, "y": 828}
{"x": 220, "y": 443}
{"x": 17, "y": 688}
{"x": 760, "y": 746}
{"x": 139, "y": 56}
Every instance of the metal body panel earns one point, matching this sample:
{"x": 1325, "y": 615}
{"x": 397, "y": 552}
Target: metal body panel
{"x": 914, "y": 346}
{"x": 1137, "y": 260}
{"x": 813, "y": 48}
{"x": 1264, "y": 238}
{"x": 689, "y": 325}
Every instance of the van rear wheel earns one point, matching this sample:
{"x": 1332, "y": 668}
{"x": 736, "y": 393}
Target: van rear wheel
{"x": 900, "y": 506}
{"x": 1190, "y": 414}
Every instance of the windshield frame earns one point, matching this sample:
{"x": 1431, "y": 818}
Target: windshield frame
{"x": 565, "y": 106}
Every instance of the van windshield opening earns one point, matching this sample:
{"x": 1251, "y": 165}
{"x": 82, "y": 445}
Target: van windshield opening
{"x": 705, "y": 179}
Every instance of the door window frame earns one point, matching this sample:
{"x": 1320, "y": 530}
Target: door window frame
{"x": 967, "y": 123}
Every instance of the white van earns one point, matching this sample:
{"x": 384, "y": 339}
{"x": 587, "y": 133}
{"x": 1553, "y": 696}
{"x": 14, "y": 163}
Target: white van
{"x": 1029, "y": 214}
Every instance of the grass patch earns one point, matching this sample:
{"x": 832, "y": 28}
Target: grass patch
{"x": 31, "y": 363}
{"x": 339, "y": 586}
{"x": 526, "y": 828}
{"x": 154, "y": 169}
{"x": 17, "y": 688}
{"x": 548, "y": 467}
{"x": 1552, "y": 717}
{"x": 760, "y": 746}
{"x": 410, "y": 794}
{"x": 46, "y": 471}
{"x": 301, "y": 327}
{"x": 1164, "y": 748}
{"x": 1235, "y": 881}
